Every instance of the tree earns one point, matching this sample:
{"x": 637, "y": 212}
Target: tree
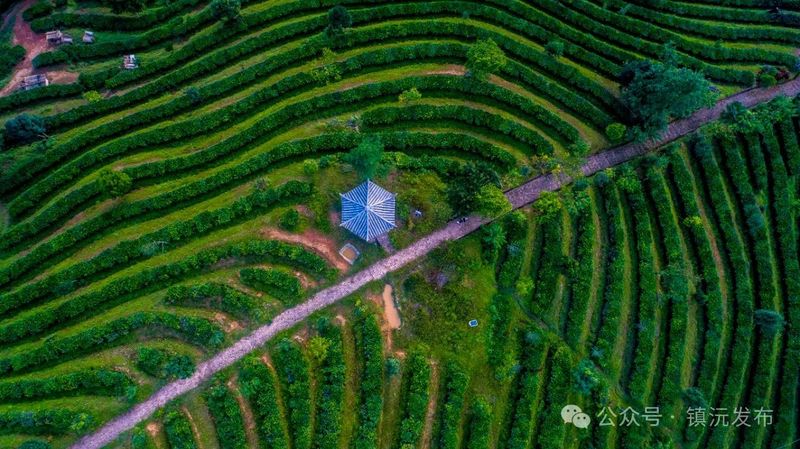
{"x": 548, "y": 205}
{"x": 769, "y": 322}
{"x": 328, "y": 70}
{"x": 409, "y": 95}
{"x": 392, "y": 367}
{"x": 585, "y": 378}
{"x": 338, "y": 19}
{"x": 655, "y": 92}
{"x": 318, "y": 349}
{"x": 555, "y": 48}
{"x": 92, "y": 96}
{"x": 290, "y": 220}
{"x": 227, "y": 10}
{"x": 465, "y": 184}
{"x": 490, "y": 202}
{"x": 115, "y": 183}
{"x": 194, "y": 95}
{"x": 616, "y": 132}
{"x": 366, "y": 157}
{"x": 484, "y": 58}
{"x": 25, "y": 128}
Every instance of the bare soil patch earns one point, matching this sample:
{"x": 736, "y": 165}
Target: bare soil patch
{"x": 312, "y": 239}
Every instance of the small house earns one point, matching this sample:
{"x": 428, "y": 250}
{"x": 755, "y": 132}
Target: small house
{"x": 88, "y": 37}
{"x": 130, "y": 62}
{"x": 57, "y": 38}
{"x": 34, "y": 81}
{"x": 54, "y": 37}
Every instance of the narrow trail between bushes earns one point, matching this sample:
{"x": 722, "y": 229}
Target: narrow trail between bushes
{"x": 519, "y": 197}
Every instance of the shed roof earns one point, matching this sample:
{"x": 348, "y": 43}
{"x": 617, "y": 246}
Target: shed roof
{"x": 368, "y": 210}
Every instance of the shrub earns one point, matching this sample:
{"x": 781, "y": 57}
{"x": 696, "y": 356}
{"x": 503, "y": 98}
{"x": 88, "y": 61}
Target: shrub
{"x": 290, "y": 220}
{"x": 369, "y": 344}
{"x": 115, "y": 183}
{"x": 616, "y": 132}
{"x": 35, "y": 444}
{"x": 228, "y": 421}
{"x": 415, "y": 400}
{"x": 293, "y": 371}
{"x": 491, "y": 202}
{"x": 258, "y": 386}
{"x": 164, "y": 364}
{"x": 92, "y": 96}
{"x": 278, "y": 283}
{"x": 409, "y": 95}
{"x": 179, "y": 431}
{"x": 555, "y": 48}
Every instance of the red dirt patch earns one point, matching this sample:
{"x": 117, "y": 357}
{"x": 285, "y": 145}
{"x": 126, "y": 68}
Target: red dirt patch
{"x": 317, "y": 242}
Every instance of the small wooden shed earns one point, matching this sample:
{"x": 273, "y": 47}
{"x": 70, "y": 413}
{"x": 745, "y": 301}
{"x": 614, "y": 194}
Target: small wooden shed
{"x": 34, "y": 81}
{"x": 130, "y": 62}
{"x": 56, "y": 37}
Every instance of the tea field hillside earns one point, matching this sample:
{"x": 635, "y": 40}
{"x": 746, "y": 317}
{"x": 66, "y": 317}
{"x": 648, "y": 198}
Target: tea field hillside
{"x": 170, "y": 188}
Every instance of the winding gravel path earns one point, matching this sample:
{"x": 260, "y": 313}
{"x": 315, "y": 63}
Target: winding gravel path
{"x": 519, "y": 197}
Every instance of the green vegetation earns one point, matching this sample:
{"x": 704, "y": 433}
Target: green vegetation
{"x": 151, "y": 217}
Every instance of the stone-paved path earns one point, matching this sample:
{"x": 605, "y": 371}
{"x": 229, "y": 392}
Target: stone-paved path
{"x": 519, "y": 197}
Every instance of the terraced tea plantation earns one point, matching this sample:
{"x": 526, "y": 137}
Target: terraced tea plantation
{"x": 170, "y": 180}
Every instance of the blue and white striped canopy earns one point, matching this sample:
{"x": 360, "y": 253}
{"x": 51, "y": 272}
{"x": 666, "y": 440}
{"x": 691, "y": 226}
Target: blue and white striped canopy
{"x": 368, "y": 211}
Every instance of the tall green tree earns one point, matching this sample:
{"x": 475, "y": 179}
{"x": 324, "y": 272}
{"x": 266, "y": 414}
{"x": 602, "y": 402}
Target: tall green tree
{"x": 338, "y": 19}
{"x": 485, "y": 57}
{"x": 490, "y": 202}
{"x": 464, "y": 186}
{"x": 366, "y": 157}
{"x": 115, "y": 183}
{"x": 227, "y": 10}
{"x": 25, "y": 128}
{"x": 655, "y": 92}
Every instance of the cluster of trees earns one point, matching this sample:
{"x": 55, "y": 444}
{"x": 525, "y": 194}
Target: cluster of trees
{"x": 331, "y": 388}
{"x": 655, "y": 92}
{"x": 293, "y": 371}
{"x": 530, "y": 381}
{"x": 164, "y": 363}
{"x": 415, "y": 399}
{"x": 227, "y": 416}
{"x": 369, "y": 344}
{"x": 452, "y": 405}
{"x": 218, "y": 296}
{"x": 259, "y": 387}
{"x": 53, "y": 314}
{"x": 276, "y": 282}
{"x": 91, "y": 382}
{"x": 703, "y": 154}
{"x": 199, "y": 331}
{"x": 178, "y": 430}
{"x": 100, "y": 21}
{"x": 527, "y": 140}
{"x": 479, "y": 432}
{"x": 53, "y": 421}
{"x": 613, "y": 295}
